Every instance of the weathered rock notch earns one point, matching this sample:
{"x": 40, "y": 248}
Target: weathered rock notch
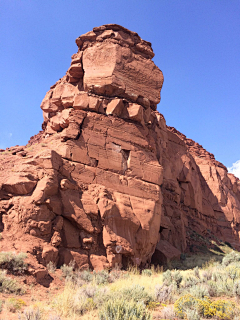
{"x": 107, "y": 183}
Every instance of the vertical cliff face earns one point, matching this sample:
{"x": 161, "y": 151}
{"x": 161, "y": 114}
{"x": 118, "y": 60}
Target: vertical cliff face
{"x": 107, "y": 183}
{"x": 200, "y": 199}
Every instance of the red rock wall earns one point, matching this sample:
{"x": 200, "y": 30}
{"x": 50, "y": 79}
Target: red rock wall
{"x": 107, "y": 182}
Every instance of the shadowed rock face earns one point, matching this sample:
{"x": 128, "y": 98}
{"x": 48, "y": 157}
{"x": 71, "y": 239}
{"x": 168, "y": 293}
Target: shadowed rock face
{"x": 107, "y": 183}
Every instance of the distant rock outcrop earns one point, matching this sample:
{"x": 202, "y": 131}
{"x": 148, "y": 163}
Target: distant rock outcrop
{"x": 107, "y": 183}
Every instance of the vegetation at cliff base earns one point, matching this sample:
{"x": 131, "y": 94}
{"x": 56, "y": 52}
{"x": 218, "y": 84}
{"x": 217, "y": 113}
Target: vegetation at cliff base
{"x": 208, "y": 292}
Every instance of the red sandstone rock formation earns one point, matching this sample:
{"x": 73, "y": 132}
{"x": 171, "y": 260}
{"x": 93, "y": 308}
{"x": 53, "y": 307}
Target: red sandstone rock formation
{"x": 107, "y": 182}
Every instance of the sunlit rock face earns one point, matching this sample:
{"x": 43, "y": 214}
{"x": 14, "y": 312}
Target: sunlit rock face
{"x": 107, "y": 183}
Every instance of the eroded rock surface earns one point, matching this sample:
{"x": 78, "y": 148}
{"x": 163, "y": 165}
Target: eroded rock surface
{"x": 107, "y": 183}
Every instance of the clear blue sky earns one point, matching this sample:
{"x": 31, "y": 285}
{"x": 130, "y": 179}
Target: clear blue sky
{"x": 196, "y": 45}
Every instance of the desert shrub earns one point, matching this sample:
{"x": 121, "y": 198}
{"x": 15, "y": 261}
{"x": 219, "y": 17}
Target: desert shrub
{"x": 230, "y": 258}
{"x": 212, "y": 288}
{"x": 167, "y": 277}
{"x": 225, "y": 287}
{"x": 31, "y": 314}
{"x": 102, "y": 295}
{"x": 13, "y": 304}
{"x": 236, "y": 289}
{"x": 218, "y": 276}
{"x": 192, "y": 314}
{"x": 207, "y": 275}
{"x": 199, "y": 291}
{"x": 163, "y": 293}
{"x": 124, "y": 310}
{"x": 67, "y": 270}
{"x": 172, "y": 276}
{"x": 190, "y": 281}
{"x": 222, "y": 309}
{"x": 86, "y": 275}
{"x": 114, "y": 275}
{"x": 147, "y": 272}
{"x": 177, "y": 277}
{"x": 75, "y": 301}
{"x": 185, "y": 303}
{"x": 89, "y": 291}
{"x": 51, "y": 267}
{"x": 101, "y": 277}
{"x": 188, "y": 303}
{"x": 12, "y": 262}
{"x": 9, "y": 285}
{"x": 168, "y": 313}
{"x": 232, "y": 272}
{"x": 196, "y": 272}
{"x": 136, "y": 293}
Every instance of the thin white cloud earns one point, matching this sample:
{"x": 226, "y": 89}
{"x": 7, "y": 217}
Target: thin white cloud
{"x": 235, "y": 169}
{"x": 10, "y": 135}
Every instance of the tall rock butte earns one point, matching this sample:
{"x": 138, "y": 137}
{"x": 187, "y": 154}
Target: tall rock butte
{"x": 107, "y": 183}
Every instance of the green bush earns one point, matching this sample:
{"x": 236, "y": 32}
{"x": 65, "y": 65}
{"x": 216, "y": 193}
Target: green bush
{"x": 225, "y": 287}
{"x": 232, "y": 272}
{"x": 12, "y": 262}
{"x": 177, "y": 277}
{"x": 86, "y": 275}
{"x": 136, "y": 293}
{"x": 184, "y": 304}
{"x": 124, "y": 310}
{"x": 67, "y": 270}
{"x": 230, "y": 258}
{"x": 9, "y": 285}
{"x": 172, "y": 276}
{"x": 167, "y": 277}
{"x": 101, "y": 277}
{"x": 199, "y": 291}
{"x": 190, "y": 281}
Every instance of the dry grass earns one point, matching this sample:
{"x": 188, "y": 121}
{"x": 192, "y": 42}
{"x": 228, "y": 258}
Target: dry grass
{"x": 85, "y": 294}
